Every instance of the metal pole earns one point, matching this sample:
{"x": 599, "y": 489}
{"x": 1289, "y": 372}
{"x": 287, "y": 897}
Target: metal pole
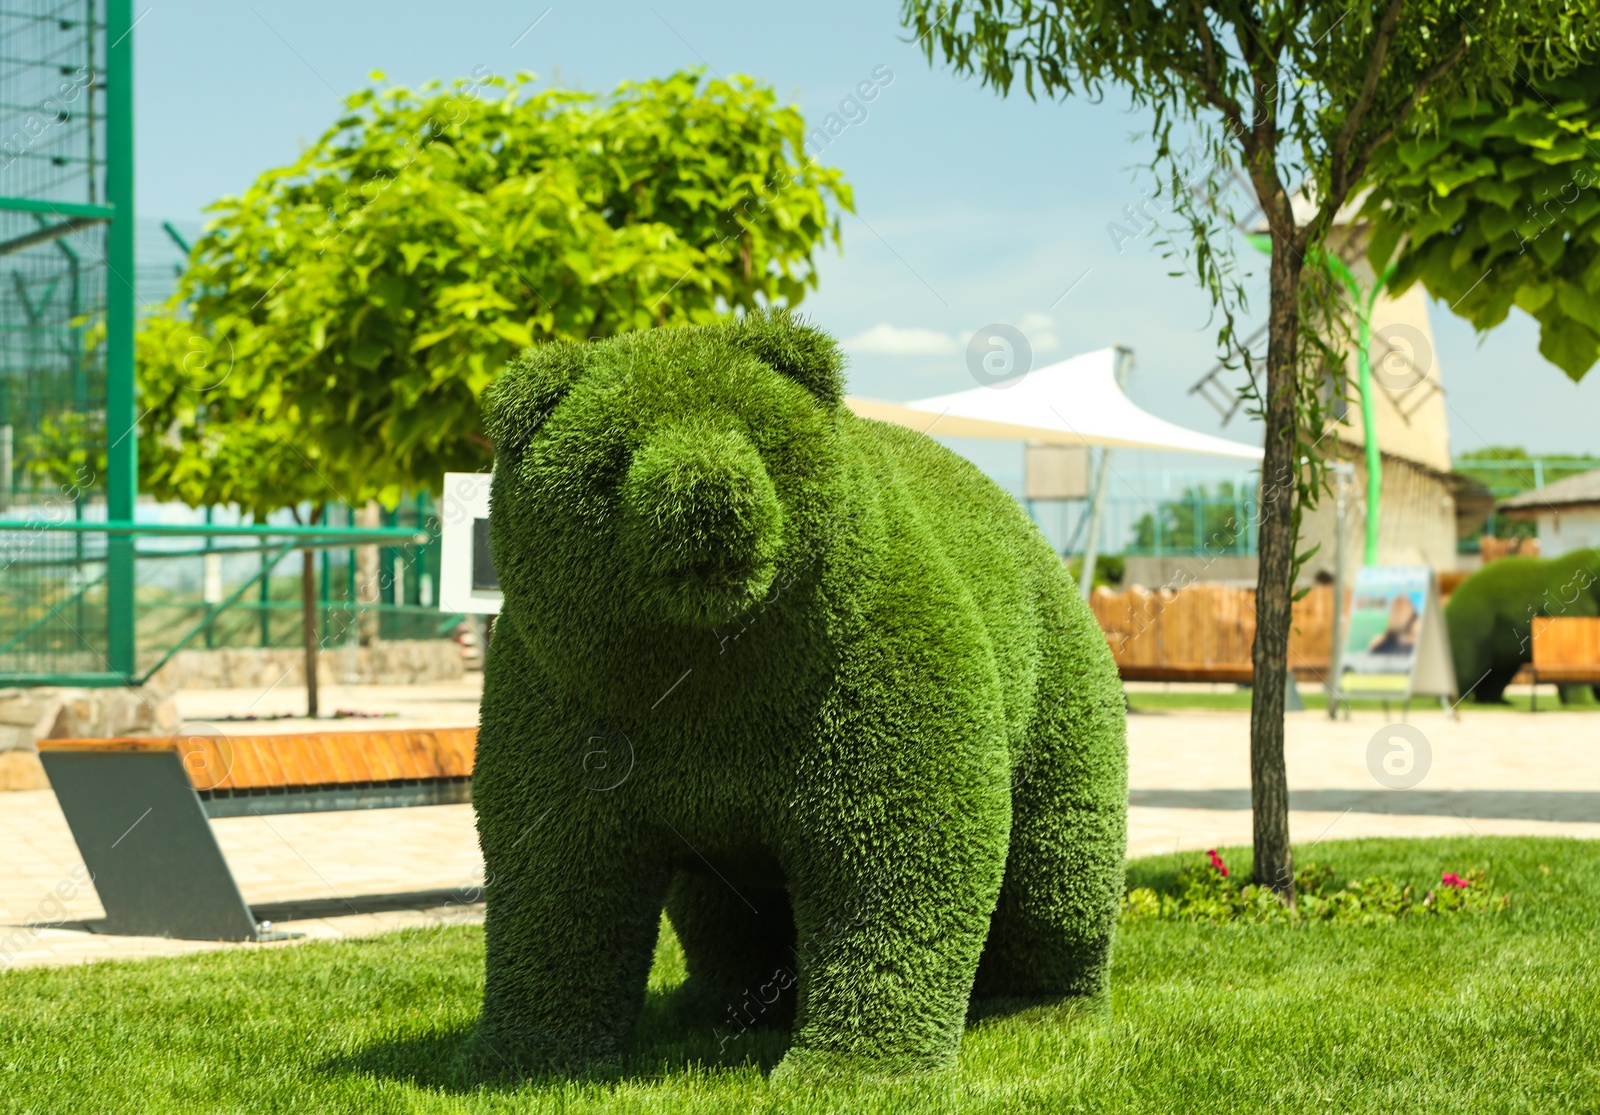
{"x": 1369, "y": 433}
{"x": 264, "y": 612}
{"x": 1091, "y": 538}
{"x": 122, "y": 452}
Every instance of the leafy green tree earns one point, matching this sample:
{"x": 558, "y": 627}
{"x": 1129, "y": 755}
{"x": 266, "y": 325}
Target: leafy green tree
{"x": 1500, "y": 207}
{"x": 1299, "y": 97}
{"x": 359, "y": 300}
{"x": 339, "y": 321}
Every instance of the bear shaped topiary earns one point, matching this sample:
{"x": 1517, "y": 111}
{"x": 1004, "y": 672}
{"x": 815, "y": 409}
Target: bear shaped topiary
{"x": 812, "y": 683}
{"x": 1490, "y": 615}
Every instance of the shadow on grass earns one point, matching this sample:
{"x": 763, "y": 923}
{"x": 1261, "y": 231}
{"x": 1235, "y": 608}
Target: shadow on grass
{"x": 674, "y": 1036}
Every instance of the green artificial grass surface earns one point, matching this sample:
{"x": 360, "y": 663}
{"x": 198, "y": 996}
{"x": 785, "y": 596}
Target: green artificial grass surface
{"x": 1490, "y": 1013}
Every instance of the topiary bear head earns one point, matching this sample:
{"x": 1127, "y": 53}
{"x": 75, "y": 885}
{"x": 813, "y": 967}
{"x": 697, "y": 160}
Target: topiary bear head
{"x": 659, "y": 479}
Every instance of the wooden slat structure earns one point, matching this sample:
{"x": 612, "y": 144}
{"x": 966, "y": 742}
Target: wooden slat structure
{"x": 302, "y": 761}
{"x": 1566, "y": 650}
{"x": 1204, "y": 632}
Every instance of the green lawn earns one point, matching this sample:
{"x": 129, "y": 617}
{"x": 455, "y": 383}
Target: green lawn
{"x": 1495, "y": 1013}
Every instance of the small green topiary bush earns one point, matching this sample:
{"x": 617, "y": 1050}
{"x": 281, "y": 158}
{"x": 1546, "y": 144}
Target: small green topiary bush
{"x": 1210, "y": 892}
{"x": 812, "y": 683}
{"x": 1490, "y": 615}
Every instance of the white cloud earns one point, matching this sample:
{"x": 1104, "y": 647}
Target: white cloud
{"x": 898, "y": 341}
{"x": 895, "y": 340}
{"x": 1040, "y": 329}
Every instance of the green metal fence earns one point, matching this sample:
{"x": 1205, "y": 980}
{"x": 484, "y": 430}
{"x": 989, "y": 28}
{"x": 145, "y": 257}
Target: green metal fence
{"x": 1509, "y": 476}
{"x": 89, "y": 595}
{"x": 61, "y": 124}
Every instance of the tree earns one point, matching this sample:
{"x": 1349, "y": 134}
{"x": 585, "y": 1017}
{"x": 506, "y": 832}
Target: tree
{"x": 218, "y": 448}
{"x": 1299, "y": 97}
{"x": 368, "y": 293}
{"x": 1509, "y": 192}
{"x": 339, "y": 321}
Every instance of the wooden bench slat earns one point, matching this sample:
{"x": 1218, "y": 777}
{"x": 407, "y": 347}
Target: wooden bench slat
{"x": 303, "y": 759}
{"x": 411, "y": 752}
{"x": 208, "y": 761}
{"x": 380, "y": 759}
{"x": 247, "y": 773}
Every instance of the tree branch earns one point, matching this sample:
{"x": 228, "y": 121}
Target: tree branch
{"x": 1338, "y": 171}
{"x": 1338, "y": 191}
{"x": 1224, "y": 102}
{"x": 1359, "y": 166}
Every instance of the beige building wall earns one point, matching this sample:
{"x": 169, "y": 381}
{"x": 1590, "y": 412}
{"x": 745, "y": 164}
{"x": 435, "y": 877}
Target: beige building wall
{"x": 1417, "y": 524}
{"x": 1411, "y": 416}
{"x": 1410, "y": 409}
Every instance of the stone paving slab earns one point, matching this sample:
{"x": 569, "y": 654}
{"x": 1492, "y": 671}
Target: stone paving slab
{"x": 317, "y": 873}
{"x": 1484, "y": 750}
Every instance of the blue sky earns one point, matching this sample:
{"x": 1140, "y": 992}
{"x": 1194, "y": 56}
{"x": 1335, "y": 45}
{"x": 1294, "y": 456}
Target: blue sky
{"x": 972, "y": 209}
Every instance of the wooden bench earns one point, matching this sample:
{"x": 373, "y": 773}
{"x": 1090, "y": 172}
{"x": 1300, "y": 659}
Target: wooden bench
{"x": 139, "y": 809}
{"x": 1566, "y": 651}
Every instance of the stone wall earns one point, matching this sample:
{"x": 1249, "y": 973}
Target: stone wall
{"x": 396, "y": 662}
{"x": 30, "y": 715}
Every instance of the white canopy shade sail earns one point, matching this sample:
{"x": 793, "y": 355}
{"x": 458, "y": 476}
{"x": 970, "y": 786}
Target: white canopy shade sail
{"x": 1074, "y": 402}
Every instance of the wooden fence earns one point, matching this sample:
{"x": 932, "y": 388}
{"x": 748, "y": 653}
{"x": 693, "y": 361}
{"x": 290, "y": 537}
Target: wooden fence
{"x": 1204, "y": 632}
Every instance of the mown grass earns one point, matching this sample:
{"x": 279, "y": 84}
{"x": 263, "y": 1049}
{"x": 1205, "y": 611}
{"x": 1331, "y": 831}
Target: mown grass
{"x": 1493, "y": 1013}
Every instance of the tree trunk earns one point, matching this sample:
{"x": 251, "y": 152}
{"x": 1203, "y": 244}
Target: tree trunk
{"x": 1269, "y": 786}
{"x": 308, "y": 605}
{"x": 367, "y": 595}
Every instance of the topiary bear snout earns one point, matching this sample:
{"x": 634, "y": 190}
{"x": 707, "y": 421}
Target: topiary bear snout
{"x": 701, "y": 524}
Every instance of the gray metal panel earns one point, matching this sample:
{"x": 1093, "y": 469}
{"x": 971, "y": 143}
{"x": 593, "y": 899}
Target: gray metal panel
{"x": 327, "y": 799}
{"x": 146, "y": 841}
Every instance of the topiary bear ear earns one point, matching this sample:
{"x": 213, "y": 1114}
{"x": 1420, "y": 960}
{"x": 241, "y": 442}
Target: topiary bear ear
{"x": 794, "y": 349}
{"x": 528, "y": 389}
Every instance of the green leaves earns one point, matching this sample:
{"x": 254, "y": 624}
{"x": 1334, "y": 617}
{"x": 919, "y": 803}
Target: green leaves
{"x": 1501, "y": 207}
{"x": 370, "y": 291}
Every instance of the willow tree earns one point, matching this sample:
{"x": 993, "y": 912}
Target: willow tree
{"x": 1298, "y": 97}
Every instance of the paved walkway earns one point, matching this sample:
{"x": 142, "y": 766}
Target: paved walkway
{"x": 348, "y": 874}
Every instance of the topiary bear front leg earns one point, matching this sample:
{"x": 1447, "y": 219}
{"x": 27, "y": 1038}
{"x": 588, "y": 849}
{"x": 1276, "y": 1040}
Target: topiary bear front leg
{"x": 890, "y": 927}
{"x": 570, "y": 929}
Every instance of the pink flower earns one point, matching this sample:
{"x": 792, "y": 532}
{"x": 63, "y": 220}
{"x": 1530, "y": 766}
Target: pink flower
{"x": 1216, "y": 861}
{"x": 1451, "y": 879}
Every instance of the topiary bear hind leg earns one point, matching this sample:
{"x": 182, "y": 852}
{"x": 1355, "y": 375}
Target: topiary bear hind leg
{"x": 1051, "y": 933}
{"x": 739, "y": 946}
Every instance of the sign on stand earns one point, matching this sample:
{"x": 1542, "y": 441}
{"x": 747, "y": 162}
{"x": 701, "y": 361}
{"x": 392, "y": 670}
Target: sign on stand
{"x": 467, "y": 581}
{"x": 1396, "y": 646}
